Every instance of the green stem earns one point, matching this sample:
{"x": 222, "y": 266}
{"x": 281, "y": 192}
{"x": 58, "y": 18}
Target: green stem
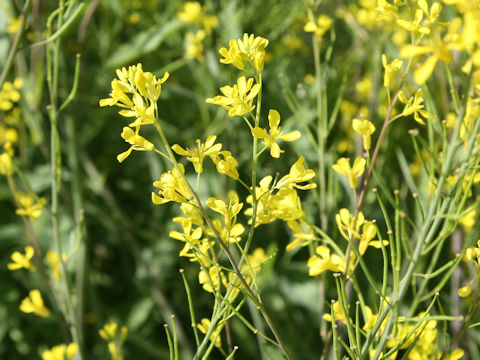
{"x": 16, "y": 43}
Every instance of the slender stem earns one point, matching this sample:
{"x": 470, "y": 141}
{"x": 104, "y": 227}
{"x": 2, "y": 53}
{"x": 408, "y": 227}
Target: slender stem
{"x": 16, "y": 43}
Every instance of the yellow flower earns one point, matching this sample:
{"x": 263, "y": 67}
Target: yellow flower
{"x": 320, "y": 28}
{"x": 192, "y": 238}
{"x": 61, "y": 352}
{"x": 250, "y": 49}
{"x": 227, "y": 165}
{"x": 215, "y": 335}
{"x": 139, "y": 83}
{"x": 34, "y": 304}
{"x": 323, "y": 261}
{"x": 465, "y": 290}
{"x": 414, "y": 106}
{"x": 194, "y": 45}
{"x": 415, "y": 25}
{"x": 28, "y": 205}
{"x": 110, "y": 331}
{"x": 346, "y": 226}
{"x": 13, "y": 25}
{"x": 232, "y": 55}
{"x": 343, "y": 167}
{"x": 22, "y": 261}
{"x": 390, "y": 69}
{"x": 9, "y": 94}
{"x": 302, "y": 234}
{"x": 198, "y": 252}
{"x": 6, "y": 165}
{"x": 138, "y": 143}
{"x": 172, "y": 187}
{"x": 369, "y": 231}
{"x": 440, "y": 51}
{"x": 284, "y": 204}
{"x": 239, "y": 98}
{"x": 275, "y": 133}
{"x": 297, "y": 174}
{"x": 193, "y": 13}
{"x": 196, "y": 155}
{"x": 212, "y": 279}
{"x": 366, "y": 129}
{"x": 54, "y": 262}
{"x": 229, "y": 212}
{"x": 338, "y": 313}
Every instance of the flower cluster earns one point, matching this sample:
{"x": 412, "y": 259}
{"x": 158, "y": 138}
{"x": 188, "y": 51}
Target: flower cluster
{"x": 145, "y": 89}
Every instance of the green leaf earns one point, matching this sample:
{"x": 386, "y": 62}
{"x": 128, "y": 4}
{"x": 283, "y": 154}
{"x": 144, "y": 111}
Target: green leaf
{"x": 143, "y": 43}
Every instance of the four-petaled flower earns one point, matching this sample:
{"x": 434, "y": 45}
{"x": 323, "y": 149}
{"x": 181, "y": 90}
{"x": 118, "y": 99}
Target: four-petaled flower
{"x": 343, "y": 167}
{"x": 34, "y": 304}
{"x": 414, "y": 106}
{"x": 323, "y": 261}
{"x": 239, "y": 98}
{"x": 22, "y": 261}
{"x": 275, "y": 133}
{"x": 196, "y": 155}
{"x": 172, "y": 187}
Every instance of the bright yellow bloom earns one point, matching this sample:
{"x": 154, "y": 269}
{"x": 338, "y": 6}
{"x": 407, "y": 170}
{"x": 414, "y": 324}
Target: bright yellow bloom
{"x": 338, "y": 313}
{"x": 172, "y": 187}
{"x": 34, "y": 304}
{"x": 138, "y": 143}
{"x": 302, "y": 234}
{"x": 187, "y": 236}
{"x": 297, "y": 174}
{"x": 22, "y": 261}
{"x": 369, "y": 231}
{"x": 229, "y": 211}
{"x": 198, "y": 252}
{"x": 215, "y": 335}
{"x": 440, "y": 51}
{"x": 28, "y": 205}
{"x": 390, "y": 70}
{"x": 250, "y": 49}
{"x": 227, "y": 165}
{"x": 239, "y": 98}
{"x": 345, "y": 223}
{"x": 433, "y": 13}
{"x": 343, "y": 167}
{"x": 275, "y": 133}
{"x": 61, "y": 352}
{"x": 138, "y": 83}
{"x": 211, "y": 281}
{"x": 198, "y": 154}
{"x": 366, "y": 129}
{"x": 415, "y": 25}
{"x": 193, "y": 13}
{"x": 323, "y": 261}
{"x": 284, "y": 204}
{"x": 414, "y": 106}
{"x": 232, "y": 55}
{"x": 320, "y": 28}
